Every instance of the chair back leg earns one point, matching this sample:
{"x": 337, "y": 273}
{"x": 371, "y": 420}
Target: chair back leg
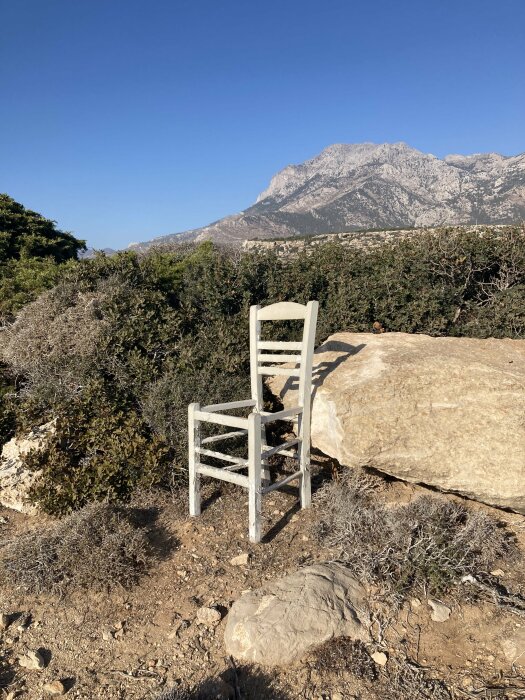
{"x": 265, "y": 467}
{"x": 303, "y": 430}
{"x": 194, "y": 443}
{"x": 254, "y": 476}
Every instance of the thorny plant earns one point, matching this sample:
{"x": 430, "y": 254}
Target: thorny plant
{"x": 429, "y": 544}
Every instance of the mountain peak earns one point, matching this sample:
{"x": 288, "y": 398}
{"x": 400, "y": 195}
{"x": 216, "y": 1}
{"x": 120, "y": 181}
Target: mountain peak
{"x": 356, "y": 186}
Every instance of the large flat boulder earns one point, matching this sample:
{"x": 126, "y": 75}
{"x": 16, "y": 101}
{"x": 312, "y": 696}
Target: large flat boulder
{"x": 277, "y": 624}
{"x": 447, "y": 412}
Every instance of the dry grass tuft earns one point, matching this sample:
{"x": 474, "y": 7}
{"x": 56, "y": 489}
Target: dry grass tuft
{"x": 175, "y": 694}
{"x": 428, "y": 544}
{"x": 406, "y": 681}
{"x": 96, "y": 548}
{"x": 343, "y": 654}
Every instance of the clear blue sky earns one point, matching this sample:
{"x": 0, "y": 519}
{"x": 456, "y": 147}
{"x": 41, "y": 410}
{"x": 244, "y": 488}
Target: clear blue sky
{"x": 124, "y": 120}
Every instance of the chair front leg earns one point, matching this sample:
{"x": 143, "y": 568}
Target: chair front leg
{"x": 194, "y": 443}
{"x": 254, "y": 476}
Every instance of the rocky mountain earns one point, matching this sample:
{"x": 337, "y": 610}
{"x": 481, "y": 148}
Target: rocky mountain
{"x": 350, "y": 187}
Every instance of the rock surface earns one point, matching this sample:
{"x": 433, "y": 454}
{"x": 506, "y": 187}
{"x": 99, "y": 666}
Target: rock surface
{"x": 447, "y": 412}
{"x": 15, "y": 478}
{"x": 277, "y": 624}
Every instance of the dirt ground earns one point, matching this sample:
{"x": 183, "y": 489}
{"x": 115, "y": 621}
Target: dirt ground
{"x": 134, "y": 644}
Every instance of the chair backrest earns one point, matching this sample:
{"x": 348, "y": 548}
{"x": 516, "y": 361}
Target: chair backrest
{"x": 263, "y": 352}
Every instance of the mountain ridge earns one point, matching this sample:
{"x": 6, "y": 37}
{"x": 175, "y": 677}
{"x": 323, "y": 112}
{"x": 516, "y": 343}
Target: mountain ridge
{"x": 358, "y": 186}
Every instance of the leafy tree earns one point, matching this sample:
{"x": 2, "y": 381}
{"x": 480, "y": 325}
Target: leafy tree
{"x": 32, "y": 255}
{"x": 27, "y": 234}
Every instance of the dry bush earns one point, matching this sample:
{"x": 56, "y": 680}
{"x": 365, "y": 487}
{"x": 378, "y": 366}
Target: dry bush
{"x": 96, "y": 548}
{"x": 346, "y": 663}
{"x": 54, "y": 341}
{"x": 342, "y": 659}
{"x": 428, "y": 544}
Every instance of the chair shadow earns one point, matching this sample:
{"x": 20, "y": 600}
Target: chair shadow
{"x": 322, "y": 474}
{"x": 324, "y": 368}
{"x": 284, "y": 520}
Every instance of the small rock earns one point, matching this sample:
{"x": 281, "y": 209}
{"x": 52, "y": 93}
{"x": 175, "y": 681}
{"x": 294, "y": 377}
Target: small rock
{"x": 415, "y": 603}
{"x": 33, "y": 661}
{"x": 440, "y": 612}
{"x": 467, "y": 683}
{"x": 240, "y": 560}
{"x": 208, "y": 616}
{"x": 380, "y": 658}
{"x": 107, "y": 635}
{"x": 54, "y": 688}
{"x": 497, "y": 572}
{"x": 4, "y": 621}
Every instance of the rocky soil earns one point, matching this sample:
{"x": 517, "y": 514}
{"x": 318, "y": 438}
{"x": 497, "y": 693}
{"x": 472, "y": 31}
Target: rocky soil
{"x": 169, "y": 629}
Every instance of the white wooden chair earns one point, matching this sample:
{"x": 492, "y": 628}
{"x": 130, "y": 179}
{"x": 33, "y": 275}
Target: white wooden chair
{"x": 257, "y": 481}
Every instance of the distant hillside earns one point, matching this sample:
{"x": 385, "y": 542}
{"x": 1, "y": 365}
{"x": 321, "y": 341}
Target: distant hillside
{"x": 352, "y": 187}
{"x": 359, "y": 240}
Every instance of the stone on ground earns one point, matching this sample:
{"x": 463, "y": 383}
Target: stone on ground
{"x": 54, "y": 688}
{"x": 33, "y": 661}
{"x": 277, "y": 624}
{"x": 208, "y": 616}
{"x": 447, "y": 412}
{"x": 440, "y": 612}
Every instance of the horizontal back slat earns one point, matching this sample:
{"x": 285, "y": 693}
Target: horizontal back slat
{"x": 278, "y": 345}
{"x": 278, "y": 358}
{"x": 282, "y": 311}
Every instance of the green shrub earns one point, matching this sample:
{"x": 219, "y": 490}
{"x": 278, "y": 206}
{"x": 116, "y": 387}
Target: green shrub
{"x": 7, "y": 410}
{"x": 32, "y": 251}
{"x": 133, "y": 339}
{"x": 100, "y": 451}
